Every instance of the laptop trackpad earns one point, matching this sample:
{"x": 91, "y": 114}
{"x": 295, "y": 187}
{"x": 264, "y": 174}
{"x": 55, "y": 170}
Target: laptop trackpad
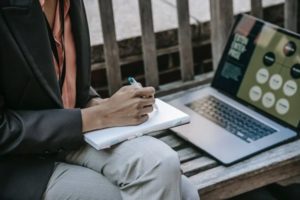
{"x": 215, "y": 140}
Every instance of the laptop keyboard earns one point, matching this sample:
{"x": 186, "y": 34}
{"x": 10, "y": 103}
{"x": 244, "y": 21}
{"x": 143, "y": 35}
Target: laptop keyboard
{"x": 231, "y": 119}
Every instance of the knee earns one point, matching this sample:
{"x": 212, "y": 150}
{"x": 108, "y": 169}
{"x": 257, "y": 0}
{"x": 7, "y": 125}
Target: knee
{"x": 188, "y": 190}
{"x": 159, "y": 155}
{"x": 164, "y": 160}
{"x": 146, "y": 159}
{"x": 169, "y": 164}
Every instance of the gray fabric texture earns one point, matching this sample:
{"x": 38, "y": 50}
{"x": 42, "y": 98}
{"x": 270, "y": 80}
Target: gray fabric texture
{"x": 142, "y": 168}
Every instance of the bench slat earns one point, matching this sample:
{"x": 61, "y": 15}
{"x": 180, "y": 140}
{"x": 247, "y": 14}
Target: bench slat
{"x": 262, "y": 169}
{"x": 111, "y": 50}
{"x": 198, "y": 165}
{"x": 185, "y": 40}
{"x": 291, "y": 15}
{"x": 149, "y": 44}
{"x": 244, "y": 184}
{"x": 187, "y": 154}
{"x": 257, "y": 8}
{"x": 159, "y": 134}
{"x": 172, "y": 140}
{"x": 221, "y": 20}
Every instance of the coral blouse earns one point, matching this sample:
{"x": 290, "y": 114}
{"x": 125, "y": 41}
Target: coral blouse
{"x": 69, "y": 86}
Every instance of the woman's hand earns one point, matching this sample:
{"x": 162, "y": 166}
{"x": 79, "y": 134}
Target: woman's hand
{"x": 128, "y": 106}
{"x": 94, "y": 102}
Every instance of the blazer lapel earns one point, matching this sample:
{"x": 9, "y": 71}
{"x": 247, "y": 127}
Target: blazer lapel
{"x": 28, "y": 26}
{"x": 82, "y": 43}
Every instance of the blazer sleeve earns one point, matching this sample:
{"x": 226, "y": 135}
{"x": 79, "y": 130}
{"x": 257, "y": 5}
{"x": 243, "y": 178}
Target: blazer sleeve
{"x": 39, "y": 132}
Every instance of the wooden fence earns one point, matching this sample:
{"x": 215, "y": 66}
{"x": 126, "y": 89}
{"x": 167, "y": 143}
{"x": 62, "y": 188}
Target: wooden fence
{"x": 221, "y": 19}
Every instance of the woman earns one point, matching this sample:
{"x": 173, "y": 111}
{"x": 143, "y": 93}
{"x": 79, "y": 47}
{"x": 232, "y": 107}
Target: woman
{"x": 46, "y": 105}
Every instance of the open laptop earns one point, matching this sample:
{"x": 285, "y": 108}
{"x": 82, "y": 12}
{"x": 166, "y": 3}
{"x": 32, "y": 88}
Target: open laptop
{"x": 253, "y": 102}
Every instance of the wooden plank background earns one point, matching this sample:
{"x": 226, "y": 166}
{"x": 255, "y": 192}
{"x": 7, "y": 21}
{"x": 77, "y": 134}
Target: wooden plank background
{"x": 185, "y": 40}
{"x": 149, "y": 44}
{"x": 221, "y": 21}
{"x": 111, "y": 49}
{"x": 257, "y": 8}
{"x": 291, "y": 15}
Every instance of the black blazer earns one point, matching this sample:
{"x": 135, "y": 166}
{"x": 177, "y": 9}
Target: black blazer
{"x": 34, "y": 127}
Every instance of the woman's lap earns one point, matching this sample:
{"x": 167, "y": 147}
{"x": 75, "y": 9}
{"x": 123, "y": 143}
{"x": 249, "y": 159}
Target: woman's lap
{"x": 77, "y": 182}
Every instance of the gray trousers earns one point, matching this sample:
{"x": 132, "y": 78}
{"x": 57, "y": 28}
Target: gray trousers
{"x": 142, "y": 168}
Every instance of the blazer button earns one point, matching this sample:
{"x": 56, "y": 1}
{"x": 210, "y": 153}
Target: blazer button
{"x": 46, "y": 152}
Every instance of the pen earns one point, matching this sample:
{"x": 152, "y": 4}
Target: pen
{"x": 132, "y": 81}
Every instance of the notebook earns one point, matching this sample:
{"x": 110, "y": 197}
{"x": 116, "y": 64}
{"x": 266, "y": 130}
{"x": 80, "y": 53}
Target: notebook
{"x": 253, "y": 102}
{"x": 163, "y": 117}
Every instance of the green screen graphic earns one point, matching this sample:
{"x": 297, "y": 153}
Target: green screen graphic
{"x": 272, "y": 79}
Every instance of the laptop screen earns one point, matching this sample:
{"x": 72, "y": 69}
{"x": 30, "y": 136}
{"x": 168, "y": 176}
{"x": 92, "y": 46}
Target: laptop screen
{"x": 261, "y": 67}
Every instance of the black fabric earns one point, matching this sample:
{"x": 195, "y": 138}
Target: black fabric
{"x": 62, "y": 21}
{"x": 19, "y": 182}
{"x": 272, "y": 192}
{"x": 52, "y": 41}
{"x": 290, "y": 192}
{"x": 258, "y": 194}
{"x": 13, "y": 3}
{"x": 34, "y": 127}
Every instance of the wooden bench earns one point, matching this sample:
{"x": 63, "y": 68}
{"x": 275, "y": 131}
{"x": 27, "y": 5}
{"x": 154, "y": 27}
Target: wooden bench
{"x": 216, "y": 181}
{"x": 213, "y": 180}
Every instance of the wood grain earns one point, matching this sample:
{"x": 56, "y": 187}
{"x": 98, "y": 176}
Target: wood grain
{"x": 221, "y": 20}
{"x": 291, "y": 15}
{"x": 188, "y": 153}
{"x": 173, "y": 141}
{"x": 198, "y": 165}
{"x": 148, "y": 43}
{"x": 111, "y": 50}
{"x": 185, "y": 40}
{"x": 268, "y": 167}
{"x": 257, "y": 8}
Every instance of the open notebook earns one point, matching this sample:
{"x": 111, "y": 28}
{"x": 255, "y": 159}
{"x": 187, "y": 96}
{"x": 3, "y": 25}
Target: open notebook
{"x": 165, "y": 116}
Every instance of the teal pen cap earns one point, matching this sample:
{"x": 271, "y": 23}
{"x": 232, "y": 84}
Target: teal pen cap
{"x": 132, "y": 81}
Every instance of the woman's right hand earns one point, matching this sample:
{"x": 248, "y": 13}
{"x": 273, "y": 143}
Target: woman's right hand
{"x": 130, "y": 105}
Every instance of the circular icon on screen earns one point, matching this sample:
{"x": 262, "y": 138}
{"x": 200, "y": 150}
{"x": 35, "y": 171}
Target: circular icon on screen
{"x": 255, "y": 93}
{"x": 295, "y": 71}
{"x": 290, "y": 88}
{"x": 269, "y": 59}
{"x": 282, "y": 106}
{"x": 275, "y": 82}
{"x": 289, "y": 49}
{"x": 268, "y": 100}
{"x": 262, "y": 76}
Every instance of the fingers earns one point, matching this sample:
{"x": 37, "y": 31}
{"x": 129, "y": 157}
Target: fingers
{"x": 139, "y": 91}
{"x": 134, "y": 91}
{"x": 132, "y": 104}
{"x": 146, "y": 110}
{"x": 143, "y": 102}
{"x": 140, "y": 113}
{"x": 145, "y": 92}
{"x": 142, "y": 119}
{"x": 141, "y": 108}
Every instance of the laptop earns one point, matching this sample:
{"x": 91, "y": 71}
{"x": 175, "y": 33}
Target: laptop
{"x": 253, "y": 102}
